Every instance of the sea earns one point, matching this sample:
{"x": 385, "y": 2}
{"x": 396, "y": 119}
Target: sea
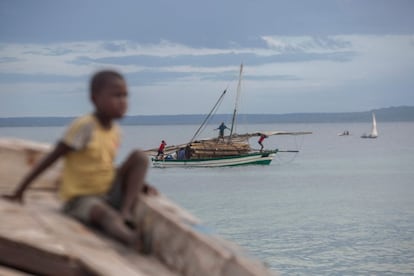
{"x": 341, "y": 206}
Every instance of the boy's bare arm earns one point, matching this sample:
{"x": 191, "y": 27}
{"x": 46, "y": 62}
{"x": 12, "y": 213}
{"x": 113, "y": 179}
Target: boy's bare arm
{"x": 60, "y": 150}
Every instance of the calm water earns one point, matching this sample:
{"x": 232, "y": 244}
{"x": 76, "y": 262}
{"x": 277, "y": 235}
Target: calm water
{"x": 343, "y": 205}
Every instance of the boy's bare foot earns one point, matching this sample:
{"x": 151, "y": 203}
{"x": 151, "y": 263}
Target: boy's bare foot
{"x": 149, "y": 190}
{"x": 138, "y": 244}
{"x": 130, "y": 223}
{"x": 128, "y": 219}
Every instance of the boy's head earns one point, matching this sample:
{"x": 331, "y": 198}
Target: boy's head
{"x": 108, "y": 92}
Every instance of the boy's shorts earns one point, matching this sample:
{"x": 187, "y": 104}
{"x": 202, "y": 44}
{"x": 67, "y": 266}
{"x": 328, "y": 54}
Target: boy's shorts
{"x": 80, "y": 207}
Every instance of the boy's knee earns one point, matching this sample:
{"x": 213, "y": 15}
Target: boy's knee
{"x": 139, "y": 158}
{"x": 101, "y": 213}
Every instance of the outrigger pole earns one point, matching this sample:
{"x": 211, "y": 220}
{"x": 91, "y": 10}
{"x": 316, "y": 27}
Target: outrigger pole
{"x": 233, "y": 121}
{"x": 209, "y": 115}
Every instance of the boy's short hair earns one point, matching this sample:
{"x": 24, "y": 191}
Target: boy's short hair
{"x": 100, "y": 78}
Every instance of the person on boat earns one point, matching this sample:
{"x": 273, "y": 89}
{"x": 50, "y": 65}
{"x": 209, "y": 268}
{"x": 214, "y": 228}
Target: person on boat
{"x": 181, "y": 154}
{"x": 188, "y": 152}
{"x": 161, "y": 149}
{"x": 221, "y": 129}
{"x": 261, "y": 139}
{"x": 93, "y": 190}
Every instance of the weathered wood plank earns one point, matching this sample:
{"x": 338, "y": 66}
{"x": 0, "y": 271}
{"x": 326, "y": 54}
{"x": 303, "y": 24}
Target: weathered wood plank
{"x": 7, "y": 271}
{"x": 44, "y": 241}
{"x": 38, "y": 261}
{"x": 185, "y": 247}
{"x": 18, "y": 157}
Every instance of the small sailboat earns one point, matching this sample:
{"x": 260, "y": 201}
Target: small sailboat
{"x": 231, "y": 150}
{"x": 374, "y": 131}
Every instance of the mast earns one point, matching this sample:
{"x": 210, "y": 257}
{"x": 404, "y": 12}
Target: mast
{"x": 236, "y": 105}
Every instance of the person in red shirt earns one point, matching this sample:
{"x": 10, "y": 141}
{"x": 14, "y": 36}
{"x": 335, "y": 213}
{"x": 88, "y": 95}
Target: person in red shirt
{"x": 261, "y": 139}
{"x": 161, "y": 149}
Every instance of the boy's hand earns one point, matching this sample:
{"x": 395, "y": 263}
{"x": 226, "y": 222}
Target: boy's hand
{"x": 149, "y": 190}
{"x": 17, "y": 197}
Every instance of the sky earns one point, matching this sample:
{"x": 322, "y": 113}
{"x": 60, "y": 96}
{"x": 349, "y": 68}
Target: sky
{"x": 178, "y": 56}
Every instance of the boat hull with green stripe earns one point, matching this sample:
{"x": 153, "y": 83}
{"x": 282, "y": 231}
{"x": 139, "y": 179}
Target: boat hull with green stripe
{"x": 255, "y": 158}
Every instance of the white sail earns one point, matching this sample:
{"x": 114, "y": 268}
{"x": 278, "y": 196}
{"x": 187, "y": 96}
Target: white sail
{"x": 374, "y": 131}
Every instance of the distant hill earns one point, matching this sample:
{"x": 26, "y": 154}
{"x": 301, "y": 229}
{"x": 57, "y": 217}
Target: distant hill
{"x": 390, "y": 114}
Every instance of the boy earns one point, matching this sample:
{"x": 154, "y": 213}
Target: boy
{"x": 94, "y": 191}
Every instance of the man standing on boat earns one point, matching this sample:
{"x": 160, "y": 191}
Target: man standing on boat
{"x": 221, "y": 129}
{"x": 161, "y": 149}
{"x": 261, "y": 139}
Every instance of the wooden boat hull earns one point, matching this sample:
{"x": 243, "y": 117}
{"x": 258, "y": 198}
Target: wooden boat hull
{"x": 258, "y": 158}
{"x": 369, "y": 136}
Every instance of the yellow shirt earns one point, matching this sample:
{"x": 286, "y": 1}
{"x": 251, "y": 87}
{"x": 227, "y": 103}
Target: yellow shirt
{"x": 89, "y": 169}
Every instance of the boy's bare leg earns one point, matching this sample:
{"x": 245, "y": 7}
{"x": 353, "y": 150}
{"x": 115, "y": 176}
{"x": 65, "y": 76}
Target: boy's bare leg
{"x": 133, "y": 172}
{"x": 111, "y": 223}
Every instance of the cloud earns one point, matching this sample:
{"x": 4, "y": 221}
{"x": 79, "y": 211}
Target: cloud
{"x": 308, "y": 44}
{"x": 37, "y": 78}
{"x": 217, "y": 60}
{"x": 81, "y": 58}
{"x": 300, "y": 64}
{"x": 8, "y": 59}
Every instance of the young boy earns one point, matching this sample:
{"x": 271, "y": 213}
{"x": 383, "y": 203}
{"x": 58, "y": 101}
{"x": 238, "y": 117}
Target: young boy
{"x": 94, "y": 191}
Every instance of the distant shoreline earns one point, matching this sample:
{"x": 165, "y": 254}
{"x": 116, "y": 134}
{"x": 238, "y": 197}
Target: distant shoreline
{"x": 390, "y": 114}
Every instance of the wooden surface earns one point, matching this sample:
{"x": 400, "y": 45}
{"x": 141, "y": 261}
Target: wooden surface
{"x": 39, "y": 239}
{"x": 7, "y": 271}
{"x": 18, "y": 157}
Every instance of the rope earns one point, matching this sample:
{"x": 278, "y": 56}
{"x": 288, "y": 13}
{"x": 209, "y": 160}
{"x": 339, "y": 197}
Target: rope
{"x": 212, "y": 112}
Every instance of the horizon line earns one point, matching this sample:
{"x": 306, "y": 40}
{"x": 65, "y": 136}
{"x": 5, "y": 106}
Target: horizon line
{"x": 203, "y": 114}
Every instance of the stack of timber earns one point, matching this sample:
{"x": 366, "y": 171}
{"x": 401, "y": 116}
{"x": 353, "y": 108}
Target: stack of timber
{"x": 37, "y": 239}
{"x": 217, "y": 148}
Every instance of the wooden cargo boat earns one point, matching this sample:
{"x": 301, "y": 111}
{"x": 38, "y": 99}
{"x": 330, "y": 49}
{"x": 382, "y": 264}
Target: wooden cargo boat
{"x": 231, "y": 150}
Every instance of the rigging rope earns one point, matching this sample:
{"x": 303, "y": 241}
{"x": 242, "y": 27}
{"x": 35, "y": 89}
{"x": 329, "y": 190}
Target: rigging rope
{"x": 212, "y": 112}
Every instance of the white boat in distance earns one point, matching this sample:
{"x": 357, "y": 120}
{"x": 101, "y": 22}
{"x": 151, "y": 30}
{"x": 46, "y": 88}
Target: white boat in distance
{"x": 344, "y": 133}
{"x": 374, "y": 131}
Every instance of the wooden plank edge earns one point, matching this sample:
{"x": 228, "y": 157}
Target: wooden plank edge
{"x": 30, "y": 259}
{"x": 182, "y": 247}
